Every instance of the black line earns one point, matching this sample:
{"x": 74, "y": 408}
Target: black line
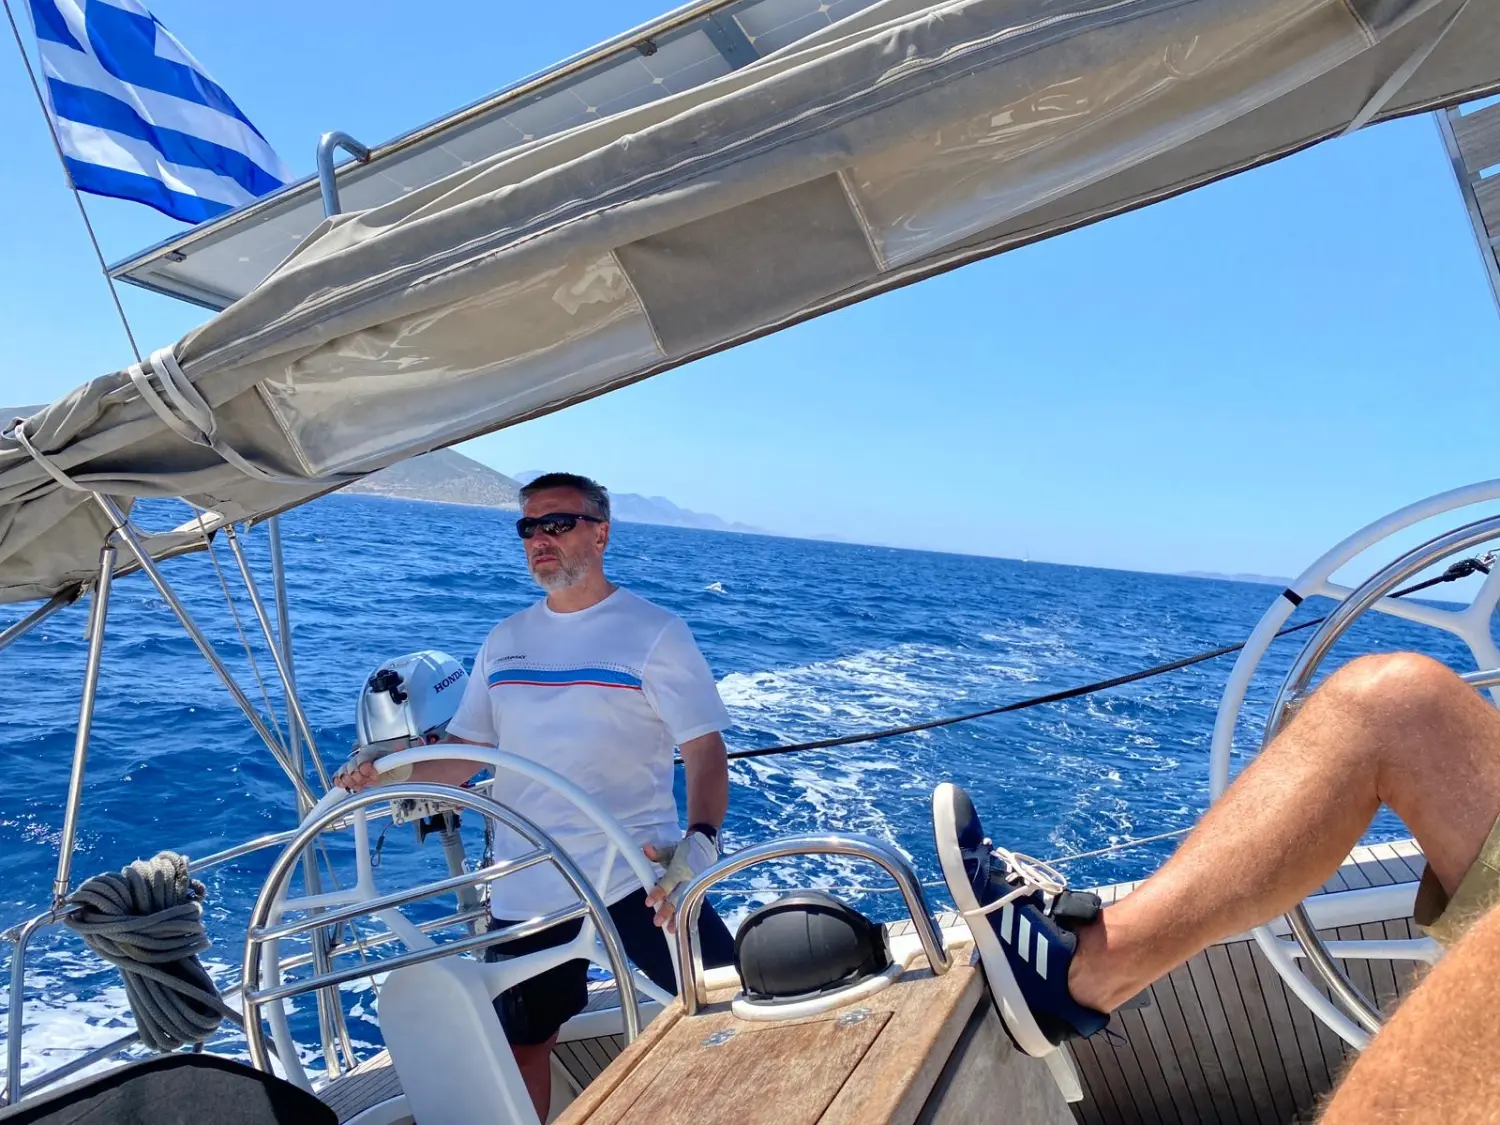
{"x": 1461, "y": 569}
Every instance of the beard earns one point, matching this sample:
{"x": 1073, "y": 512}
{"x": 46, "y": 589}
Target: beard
{"x": 567, "y": 572}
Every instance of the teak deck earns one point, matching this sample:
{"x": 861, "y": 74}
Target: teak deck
{"x": 1222, "y": 1039}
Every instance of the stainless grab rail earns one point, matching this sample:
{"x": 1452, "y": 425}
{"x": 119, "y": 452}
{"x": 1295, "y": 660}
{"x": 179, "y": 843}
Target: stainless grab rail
{"x": 861, "y": 847}
{"x": 23, "y": 935}
{"x": 328, "y": 183}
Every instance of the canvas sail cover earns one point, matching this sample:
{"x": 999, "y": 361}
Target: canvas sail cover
{"x": 906, "y": 139}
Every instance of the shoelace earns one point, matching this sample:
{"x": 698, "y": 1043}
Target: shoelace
{"x": 1034, "y": 875}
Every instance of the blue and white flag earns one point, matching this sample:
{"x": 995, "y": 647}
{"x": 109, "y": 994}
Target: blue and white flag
{"x": 139, "y": 119}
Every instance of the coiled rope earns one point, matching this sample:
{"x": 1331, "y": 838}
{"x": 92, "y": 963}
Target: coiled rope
{"x": 1461, "y": 569}
{"x": 147, "y": 921}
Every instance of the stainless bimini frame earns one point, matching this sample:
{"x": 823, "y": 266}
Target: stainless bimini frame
{"x": 286, "y": 747}
{"x": 97, "y": 615}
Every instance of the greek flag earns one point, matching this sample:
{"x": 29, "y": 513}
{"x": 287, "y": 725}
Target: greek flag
{"x": 139, "y": 118}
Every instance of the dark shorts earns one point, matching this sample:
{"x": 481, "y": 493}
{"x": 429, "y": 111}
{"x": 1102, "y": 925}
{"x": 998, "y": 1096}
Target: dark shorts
{"x": 534, "y": 1010}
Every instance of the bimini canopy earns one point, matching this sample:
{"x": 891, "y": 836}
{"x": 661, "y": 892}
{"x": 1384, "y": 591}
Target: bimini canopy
{"x": 902, "y": 140}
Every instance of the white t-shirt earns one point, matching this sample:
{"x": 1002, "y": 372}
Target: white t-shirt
{"x": 601, "y": 696}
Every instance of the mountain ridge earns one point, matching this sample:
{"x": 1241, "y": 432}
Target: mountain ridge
{"x": 443, "y": 476}
{"x": 632, "y": 507}
{"x": 446, "y": 476}
{"x": 1254, "y": 579}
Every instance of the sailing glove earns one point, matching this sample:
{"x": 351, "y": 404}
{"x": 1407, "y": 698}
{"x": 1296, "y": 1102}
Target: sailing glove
{"x": 684, "y": 861}
{"x": 353, "y": 778}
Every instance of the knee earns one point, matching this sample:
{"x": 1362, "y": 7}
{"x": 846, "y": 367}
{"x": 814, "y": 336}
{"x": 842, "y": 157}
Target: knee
{"x": 1394, "y": 688}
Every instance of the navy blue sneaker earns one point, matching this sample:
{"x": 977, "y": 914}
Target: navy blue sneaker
{"x": 1020, "y": 913}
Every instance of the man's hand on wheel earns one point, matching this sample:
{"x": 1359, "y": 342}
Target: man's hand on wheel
{"x": 684, "y": 861}
{"x": 355, "y": 775}
{"x": 359, "y": 773}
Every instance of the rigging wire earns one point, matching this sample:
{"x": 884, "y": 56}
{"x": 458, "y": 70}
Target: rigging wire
{"x": 88, "y": 225}
{"x": 1120, "y": 847}
{"x": 208, "y": 545}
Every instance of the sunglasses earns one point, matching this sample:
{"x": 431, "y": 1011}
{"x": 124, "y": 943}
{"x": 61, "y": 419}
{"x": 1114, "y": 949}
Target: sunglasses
{"x": 553, "y": 523}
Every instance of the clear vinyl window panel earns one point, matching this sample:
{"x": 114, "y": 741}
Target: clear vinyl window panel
{"x": 443, "y": 373}
{"x": 1045, "y": 124}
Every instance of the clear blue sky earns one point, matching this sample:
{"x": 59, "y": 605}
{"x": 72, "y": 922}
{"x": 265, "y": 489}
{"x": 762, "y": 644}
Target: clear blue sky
{"x": 1231, "y": 380}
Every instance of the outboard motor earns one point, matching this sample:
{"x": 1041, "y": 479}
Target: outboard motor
{"x": 408, "y": 702}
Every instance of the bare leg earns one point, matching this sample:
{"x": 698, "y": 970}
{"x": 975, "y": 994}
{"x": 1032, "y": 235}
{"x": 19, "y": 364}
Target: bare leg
{"x": 1435, "y": 1060}
{"x": 1398, "y": 729}
{"x": 535, "y": 1062}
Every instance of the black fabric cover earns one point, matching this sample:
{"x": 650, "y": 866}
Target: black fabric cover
{"x": 175, "y": 1090}
{"x": 805, "y": 943}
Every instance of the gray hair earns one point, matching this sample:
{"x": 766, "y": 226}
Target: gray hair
{"x": 594, "y": 494}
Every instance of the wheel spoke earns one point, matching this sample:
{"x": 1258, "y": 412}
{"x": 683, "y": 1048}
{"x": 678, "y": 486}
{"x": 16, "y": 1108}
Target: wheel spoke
{"x": 1449, "y": 621}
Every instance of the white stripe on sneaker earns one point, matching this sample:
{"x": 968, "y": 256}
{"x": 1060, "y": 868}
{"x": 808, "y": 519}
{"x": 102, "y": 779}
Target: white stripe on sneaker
{"x": 1041, "y": 955}
{"x": 1006, "y": 914}
{"x": 1023, "y": 938}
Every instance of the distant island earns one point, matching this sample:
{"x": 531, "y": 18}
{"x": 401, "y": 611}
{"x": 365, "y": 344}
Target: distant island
{"x": 446, "y": 476}
{"x": 442, "y": 477}
{"x": 1257, "y": 579}
{"x": 630, "y": 507}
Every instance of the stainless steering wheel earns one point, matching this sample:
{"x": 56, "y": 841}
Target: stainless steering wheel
{"x": 266, "y": 990}
{"x": 1470, "y": 624}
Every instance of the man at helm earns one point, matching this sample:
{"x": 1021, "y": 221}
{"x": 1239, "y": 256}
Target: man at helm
{"x": 599, "y": 685}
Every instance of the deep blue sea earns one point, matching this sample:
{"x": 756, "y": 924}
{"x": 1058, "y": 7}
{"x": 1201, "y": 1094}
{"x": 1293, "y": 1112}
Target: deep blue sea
{"x": 807, "y": 639}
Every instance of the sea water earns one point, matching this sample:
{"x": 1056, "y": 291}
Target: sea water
{"x": 808, "y": 640}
